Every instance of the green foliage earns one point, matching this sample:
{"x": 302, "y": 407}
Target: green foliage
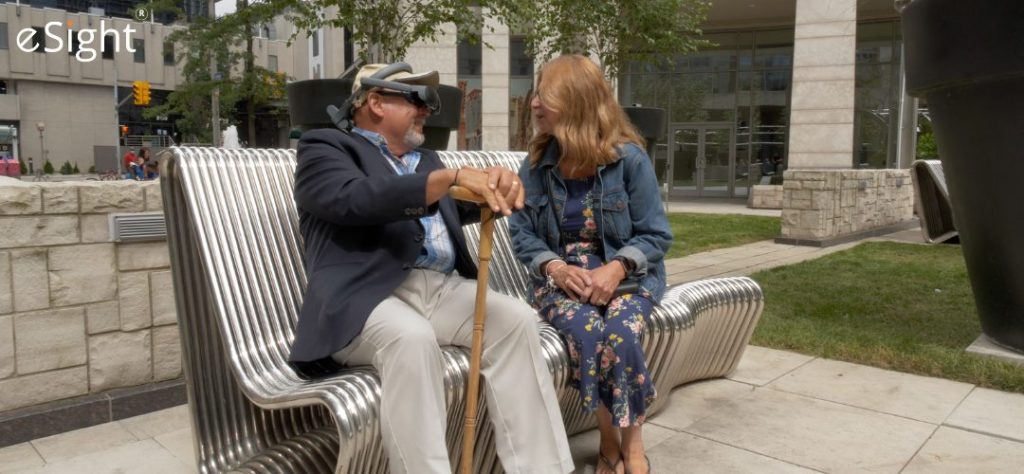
{"x": 47, "y": 167}
{"x": 926, "y": 147}
{"x": 24, "y": 168}
{"x": 74, "y": 169}
{"x": 223, "y": 40}
{"x": 383, "y": 29}
{"x": 92, "y": 169}
{"x": 65, "y": 168}
{"x": 897, "y": 306}
{"x": 702, "y": 232}
{"x": 617, "y": 31}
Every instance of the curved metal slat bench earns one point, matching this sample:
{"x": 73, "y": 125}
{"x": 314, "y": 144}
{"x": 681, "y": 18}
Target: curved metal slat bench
{"x": 236, "y": 255}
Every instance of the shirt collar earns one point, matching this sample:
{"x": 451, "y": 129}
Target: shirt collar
{"x": 375, "y": 138}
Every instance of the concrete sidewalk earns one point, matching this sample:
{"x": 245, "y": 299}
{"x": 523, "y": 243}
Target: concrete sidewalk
{"x": 778, "y": 412}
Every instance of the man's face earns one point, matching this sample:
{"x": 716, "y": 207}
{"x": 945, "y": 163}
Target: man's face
{"x": 401, "y": 120}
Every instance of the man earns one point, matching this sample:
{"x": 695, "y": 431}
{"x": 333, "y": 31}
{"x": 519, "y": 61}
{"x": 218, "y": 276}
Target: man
{"x": 391, "y": 279}
{"x": 128, "y": 164}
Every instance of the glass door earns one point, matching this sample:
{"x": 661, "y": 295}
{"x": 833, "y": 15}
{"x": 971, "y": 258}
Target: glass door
{"x": 702, "y": 160}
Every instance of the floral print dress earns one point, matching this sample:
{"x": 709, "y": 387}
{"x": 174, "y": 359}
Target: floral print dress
{"x": 606, "y": 357}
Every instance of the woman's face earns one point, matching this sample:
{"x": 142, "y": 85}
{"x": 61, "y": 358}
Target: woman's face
{"x": 543, "y": 117}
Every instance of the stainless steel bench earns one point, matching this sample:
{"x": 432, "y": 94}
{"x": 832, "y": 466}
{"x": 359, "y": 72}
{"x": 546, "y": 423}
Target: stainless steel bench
{"x": 236, "y": 255}
{"x": 931, "y": 200}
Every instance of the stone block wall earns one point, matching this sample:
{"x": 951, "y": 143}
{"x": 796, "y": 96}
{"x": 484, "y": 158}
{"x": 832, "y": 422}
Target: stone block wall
{"x": 765, "y": 196}
{"x": 80, "y": 313}
{"x": 820, "y": 205}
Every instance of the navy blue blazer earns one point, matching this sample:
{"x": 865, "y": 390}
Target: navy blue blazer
{"x": 360, "y": 224}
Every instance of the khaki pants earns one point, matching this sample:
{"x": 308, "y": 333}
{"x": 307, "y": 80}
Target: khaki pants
{"x": 402, "y": 340}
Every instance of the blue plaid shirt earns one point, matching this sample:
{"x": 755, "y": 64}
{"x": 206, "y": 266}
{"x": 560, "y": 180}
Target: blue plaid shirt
{"x": 438, "y": 252}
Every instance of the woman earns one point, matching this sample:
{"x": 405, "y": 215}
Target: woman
{"x": 593, "y": 220}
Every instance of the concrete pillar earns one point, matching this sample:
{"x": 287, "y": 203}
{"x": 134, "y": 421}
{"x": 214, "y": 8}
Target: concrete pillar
{"x": 438, "y": 56}
{"x": 824, "y": 68}
{"x": 495, "y": 70}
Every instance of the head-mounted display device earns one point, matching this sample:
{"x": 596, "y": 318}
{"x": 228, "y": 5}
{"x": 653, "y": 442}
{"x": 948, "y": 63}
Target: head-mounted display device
{"x": 384, "y": 83}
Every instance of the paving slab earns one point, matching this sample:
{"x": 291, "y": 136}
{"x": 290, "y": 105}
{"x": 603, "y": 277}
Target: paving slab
{"x": 86, "y": 440}
{"x": 584, "y": 446}
{"x": 761, "y": 365}
{"x": 927, "y": 399}
{"x": 159, "y": 422}
{"x": 993, "y": 412}
{"x": 180, "y": 444}
{"x": 686, "y": 453}
{"x": 694, "y": 401}
{"x": 19, "y": 457}
{"x": 957, "y": 451}
{"x": 144, "y": 456}
{"x": 816, "y": 434}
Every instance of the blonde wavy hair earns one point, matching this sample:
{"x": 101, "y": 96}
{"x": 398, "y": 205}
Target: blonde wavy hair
{"x": 592, "y": 125}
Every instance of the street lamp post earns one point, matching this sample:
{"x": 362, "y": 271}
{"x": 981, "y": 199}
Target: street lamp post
{"x": 42, "y": 150}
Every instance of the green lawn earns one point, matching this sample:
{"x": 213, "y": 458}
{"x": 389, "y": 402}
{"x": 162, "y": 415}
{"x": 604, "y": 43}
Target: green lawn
{"x": 896, "y": 306}
{"x": 700, "y": 232}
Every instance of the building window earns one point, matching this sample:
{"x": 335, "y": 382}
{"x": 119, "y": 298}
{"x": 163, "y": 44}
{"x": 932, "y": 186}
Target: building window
{"x": 3, "y": 35}
{"x": 469, "y": 58}
{"x": 272, "y": 62}
{"x": 75, "y": 45}
{"x": 139, "y": 45}
{"x": 38, "y": 39}
{"x": 877, "y": 95}
{"x": 520, "y": 91}
{"x": 349, "y": 50}
{"x": 316, "y": 43}
{"x": 168, "y": 53}
{"x": 108, "y": 46}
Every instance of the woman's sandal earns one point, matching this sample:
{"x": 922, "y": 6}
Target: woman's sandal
{"x": 646, "y": 460}
{"x": 611, "y": 466}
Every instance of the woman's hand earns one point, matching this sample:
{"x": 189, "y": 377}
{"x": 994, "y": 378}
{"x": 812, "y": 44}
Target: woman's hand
{"x": 505, "y": 183}
{"x": 499, "y": 186}
{"x": 605, "y": 279}
{"x": 574, "y": 281}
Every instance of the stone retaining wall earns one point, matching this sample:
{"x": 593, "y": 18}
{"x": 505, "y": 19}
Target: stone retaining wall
{"x": 820, "y": 205}
{"x": 765, "y": 196}
{"x": 80, "y": 313}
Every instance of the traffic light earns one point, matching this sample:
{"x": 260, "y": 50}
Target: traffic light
{"x": 140, "y": 92}
{"x": 124, "y": 130}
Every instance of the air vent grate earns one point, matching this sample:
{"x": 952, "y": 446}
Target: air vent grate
{"x": 138, "y": 227}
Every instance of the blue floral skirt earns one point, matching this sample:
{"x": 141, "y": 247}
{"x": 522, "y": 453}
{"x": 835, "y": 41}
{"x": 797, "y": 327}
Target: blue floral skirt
{"x": 605, "y": 355}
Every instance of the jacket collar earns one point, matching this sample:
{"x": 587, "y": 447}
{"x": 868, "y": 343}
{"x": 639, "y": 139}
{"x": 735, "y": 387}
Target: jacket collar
{"x": 551, "y": 154}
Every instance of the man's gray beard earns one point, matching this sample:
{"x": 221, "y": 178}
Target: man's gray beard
{"x": 412, "y": 138}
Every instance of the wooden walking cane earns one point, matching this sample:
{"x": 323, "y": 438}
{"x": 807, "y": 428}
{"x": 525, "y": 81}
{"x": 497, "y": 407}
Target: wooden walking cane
{"x": 487, "y": 217}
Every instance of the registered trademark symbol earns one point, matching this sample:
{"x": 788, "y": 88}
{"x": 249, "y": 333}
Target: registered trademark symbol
{"x": 141, "y": 14}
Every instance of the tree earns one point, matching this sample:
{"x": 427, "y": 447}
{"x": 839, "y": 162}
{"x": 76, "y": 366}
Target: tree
{"x": 227, "y": 40}
{"x": 617, "y": 31}
{"x": 47, "y": 167}
{"x": 383, "y": 30}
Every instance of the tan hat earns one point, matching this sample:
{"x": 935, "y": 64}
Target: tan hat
{"x": 429, "y": 79}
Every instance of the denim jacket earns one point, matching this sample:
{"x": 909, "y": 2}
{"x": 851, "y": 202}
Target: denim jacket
{"x": 632, "y": 220}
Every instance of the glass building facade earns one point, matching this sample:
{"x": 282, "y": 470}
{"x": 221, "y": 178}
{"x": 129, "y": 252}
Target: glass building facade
{"x": 728, "y": 108}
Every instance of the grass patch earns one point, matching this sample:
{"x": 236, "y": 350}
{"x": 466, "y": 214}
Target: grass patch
{"x": 701, "y": 232}
{"x": 896, "y": 306}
